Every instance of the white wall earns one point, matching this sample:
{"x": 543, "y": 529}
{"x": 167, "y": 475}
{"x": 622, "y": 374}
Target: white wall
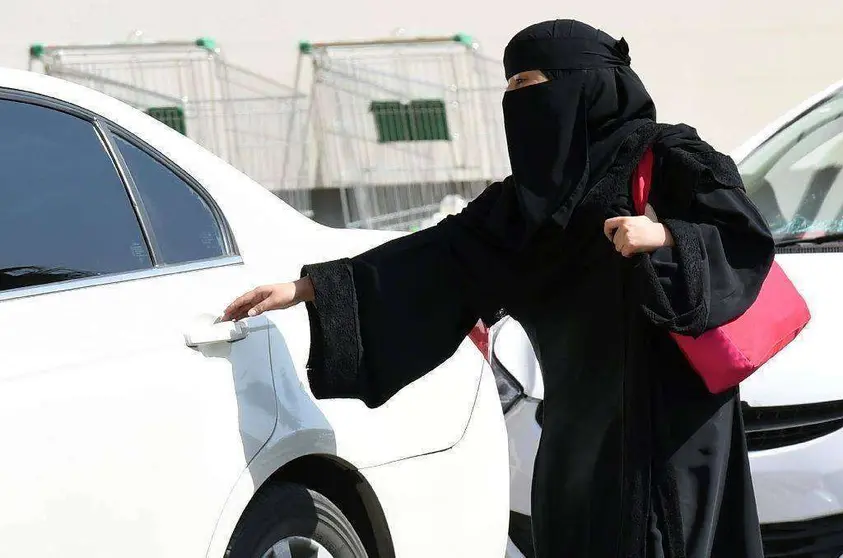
{"x": 726, "y": 66}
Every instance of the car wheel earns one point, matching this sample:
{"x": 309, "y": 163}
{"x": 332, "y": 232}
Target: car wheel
{"x": 290, "y": 521}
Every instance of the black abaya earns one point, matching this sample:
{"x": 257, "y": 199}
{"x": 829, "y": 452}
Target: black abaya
{"x": 636, "y": 458}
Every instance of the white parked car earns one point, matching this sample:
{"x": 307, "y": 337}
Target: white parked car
{"x": 134, "y": 425}
{"x": 793, "y": 407}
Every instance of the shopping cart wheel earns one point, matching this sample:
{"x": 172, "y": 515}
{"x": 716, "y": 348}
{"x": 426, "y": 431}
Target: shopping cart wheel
{"x": 288, "y": 520}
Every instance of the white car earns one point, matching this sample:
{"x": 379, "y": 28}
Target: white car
{"x": 133, "y": 424}
{"x": 793, "y": 407}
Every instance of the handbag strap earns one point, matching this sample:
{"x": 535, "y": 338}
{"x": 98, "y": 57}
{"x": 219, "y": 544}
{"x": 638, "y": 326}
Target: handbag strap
{"x": 642, "y": 180}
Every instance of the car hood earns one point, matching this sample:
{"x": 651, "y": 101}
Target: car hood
{"x": 806, "y": 371}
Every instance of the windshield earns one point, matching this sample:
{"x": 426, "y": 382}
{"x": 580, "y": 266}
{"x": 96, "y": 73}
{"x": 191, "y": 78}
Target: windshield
{"x": 795, "y": 177}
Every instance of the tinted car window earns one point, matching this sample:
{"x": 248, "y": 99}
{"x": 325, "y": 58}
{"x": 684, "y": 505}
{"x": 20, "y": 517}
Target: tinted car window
{"x": 64, "y": 212}
{"x": 185, "y": 228}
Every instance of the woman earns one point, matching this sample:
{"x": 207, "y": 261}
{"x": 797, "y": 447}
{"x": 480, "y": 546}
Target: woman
{"x": 636, "y": 458}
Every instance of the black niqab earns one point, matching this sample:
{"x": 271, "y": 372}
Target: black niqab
{"x": 563, "y": 134}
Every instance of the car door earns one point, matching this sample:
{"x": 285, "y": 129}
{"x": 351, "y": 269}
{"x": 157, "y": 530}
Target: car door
{"x": 126, "y": 414}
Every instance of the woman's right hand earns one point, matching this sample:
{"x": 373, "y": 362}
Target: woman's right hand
{"x": 269, "y": 297}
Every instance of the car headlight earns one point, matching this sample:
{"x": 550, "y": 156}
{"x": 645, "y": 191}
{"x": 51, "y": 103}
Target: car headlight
{"x": 509, "y": 390}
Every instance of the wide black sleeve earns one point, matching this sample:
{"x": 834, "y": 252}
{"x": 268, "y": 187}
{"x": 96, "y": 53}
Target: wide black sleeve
{"x": 723, "y": 247}
{"x": 385, "y": 318}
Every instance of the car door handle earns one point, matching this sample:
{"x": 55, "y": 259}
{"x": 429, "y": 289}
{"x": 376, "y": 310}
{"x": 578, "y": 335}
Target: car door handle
{"x": 222, "y": 332}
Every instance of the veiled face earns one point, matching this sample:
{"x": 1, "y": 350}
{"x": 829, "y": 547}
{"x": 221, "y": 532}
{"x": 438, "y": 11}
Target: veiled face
{"x": 525, "y": 79}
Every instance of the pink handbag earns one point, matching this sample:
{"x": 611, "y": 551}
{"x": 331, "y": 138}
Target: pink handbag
{"x": 727, "y": 355}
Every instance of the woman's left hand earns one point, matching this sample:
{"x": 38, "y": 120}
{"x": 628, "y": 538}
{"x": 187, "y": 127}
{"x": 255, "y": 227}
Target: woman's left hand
{"x": 636, "y": 235}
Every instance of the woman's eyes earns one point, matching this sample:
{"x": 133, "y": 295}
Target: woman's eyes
{"x": 528, "y": 81}
{"x": 519, "y": 82}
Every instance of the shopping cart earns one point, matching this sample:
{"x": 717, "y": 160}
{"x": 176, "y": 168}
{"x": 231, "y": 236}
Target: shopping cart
{"x": 247, "y": 119}
{"x": 401, "y": 123}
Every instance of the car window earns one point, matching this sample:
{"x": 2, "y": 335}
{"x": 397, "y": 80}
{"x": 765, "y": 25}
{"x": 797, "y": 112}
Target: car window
{"x": 796, "y": 177}
{"x": 64, "y": 211}
{"x": 184, "y": 227}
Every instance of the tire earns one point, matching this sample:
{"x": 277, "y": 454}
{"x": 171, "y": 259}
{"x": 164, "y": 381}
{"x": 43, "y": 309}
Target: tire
{"x": 290, "y": 514}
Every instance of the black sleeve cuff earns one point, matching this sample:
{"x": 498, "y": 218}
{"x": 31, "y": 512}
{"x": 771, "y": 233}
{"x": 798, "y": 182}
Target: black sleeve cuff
{"x": 334, "y": 367}
{"x": 674, "y": 282}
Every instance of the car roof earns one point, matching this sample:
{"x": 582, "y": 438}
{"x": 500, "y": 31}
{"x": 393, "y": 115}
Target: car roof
{"x": 225, "y": 183}
{"x": 773, "y": 127}
{"x": 108, "y": 107}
